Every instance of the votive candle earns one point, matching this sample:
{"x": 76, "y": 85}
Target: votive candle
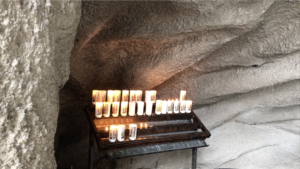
{"x": 106, "y": 109}
{"x": 189, "y": 106}
{"x": 138, "y": 94}
{"x": 170, "y": 106}
{"x": 124, "y": 107}
{"x": 182, "y": 95}
{"x": 158, "y": 107}
{"x": 164, "y": 107}
{"x": 140, "y": 108}
{"x": 121, "y": 132}
{"x": 99, "y": 109}
{"x": 149, "y": 105}
{"x": 117, "y": 95}
{"x": 132, "y": 131}
{"x": 110, "y": 96}
{"x": 132, "y": 108}
{"x": 182, "y": 106}
{"x": 176, "y": 106}
{"x": 125, "y": 94}
{"x": 113, "y": 130}
{"x": 153, "y": 95}
{"x": 115, "y": 109}
{"x": 132, "y": 96}
{"x": 147, "y": 95}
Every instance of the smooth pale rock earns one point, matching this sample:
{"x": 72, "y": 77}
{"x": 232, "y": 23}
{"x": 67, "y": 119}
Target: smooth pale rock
{"x": 36, "y": 38}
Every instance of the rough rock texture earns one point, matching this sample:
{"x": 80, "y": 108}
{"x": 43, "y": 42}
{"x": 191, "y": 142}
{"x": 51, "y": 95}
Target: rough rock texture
{"x": 238, "y": 60}
{"x": 36, "y": 38}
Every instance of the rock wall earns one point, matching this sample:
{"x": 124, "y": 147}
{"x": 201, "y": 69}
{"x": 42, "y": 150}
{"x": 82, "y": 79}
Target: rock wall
{"x": 35, "y": 49}
{"x": 238, "y": 60}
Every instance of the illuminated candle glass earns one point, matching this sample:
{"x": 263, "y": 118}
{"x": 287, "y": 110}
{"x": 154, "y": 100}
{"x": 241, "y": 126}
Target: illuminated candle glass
{"x": 117, "y": 95}
{"x": 132, "y": 96}
{"x": 170, "y": 106}
{"x": 113, "y": 130}
{"x": 158, "y": 107}
{"x": 98, "y": 96}
{"x": 132, "y": 108}
{"x": 125, "y": 94}
{"x": 99, "y": 109}
{"x": 138, "y": 94}
{"x": 149, "y": 105}
{"x": 140, "y": 108}
{"x": 153, "y": 95}
{"x": 132, "y": 131}
{"x": 188, "y": 106}
{"x": 146, "y": 126}
{"x": 176, "y": 106}
{"x": 182, "y": 106}
{"x": 147, "y": 95}
{"x": 106, "y": 109}
{"x": 121, "y": 132}
{"x": 124, "y": 107}
{"x": 141, "y": 125}
{"x": 115, "y": 109}
{"x": 182, "y": 95}
{"x": 164, "y": 107}
{"x": 110, "y": 96}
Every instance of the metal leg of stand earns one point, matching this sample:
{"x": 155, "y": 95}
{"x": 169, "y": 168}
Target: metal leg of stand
{"x": 91, "y": 150}
{"x": 194, "y": 158}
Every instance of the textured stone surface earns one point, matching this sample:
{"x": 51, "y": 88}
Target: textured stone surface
{"x": 36, "y": 38}
{"x": 238, "y": 60}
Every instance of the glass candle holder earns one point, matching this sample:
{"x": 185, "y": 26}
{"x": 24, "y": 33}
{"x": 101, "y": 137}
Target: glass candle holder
{"x": 121, "y": 132}
{"x": 170, "y": 106}
{"x": 125, "y": 94}
{"x": 176, "y": 106}
{"x": 149, "y": 105}
{"x": 99, "y": 109}
{"x": 132, "y": 108}
{"x": 132, "y": 131}
{"x": 153, "y": 95}
{"x": 106, "y": 109}
{"x": 110, "y": 96}
{"x": 140, "y": 108}
{"x": 188, "y": 106}
{"x": 182, "y": 106}
{"x": 95, "y": 96}
{"x": 113, "y": 130}
{"x": 138, "y": 94}
{"x": 117, "y": 96}
{"x": 115, "y": 109}
{"x": 164, "y": 107}
{"x": 158, "y": 107}
{"x": 124, "y": 108}
{"x": 132, "y": 97}
{"x": 147, "y": 95}
{"x": 182, "y": 95}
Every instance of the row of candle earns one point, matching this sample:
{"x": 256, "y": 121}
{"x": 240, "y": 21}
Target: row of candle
{"x": 118, "y": 132}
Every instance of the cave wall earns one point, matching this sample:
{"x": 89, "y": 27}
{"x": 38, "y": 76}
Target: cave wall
{"x": 238, "y": 60}
{"x": 36, "y": 42}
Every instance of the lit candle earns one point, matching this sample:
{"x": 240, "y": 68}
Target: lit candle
{"x": 147, "y": 95}
{"x": 149, "y": 105}
{"x": 106, "y": 109}
{"x": 99, "y": 109}
{"x": 138, "y": 94}
{"x": 153, "y": 95}
{"x": 170, "y": 106}
{"x": 141, "y": 125}
{"x": 98, "y": 96}
{"x": 164, "y": 107}
{"x": 189, "y": 106}
{"x": 158, "y": 107}
{"x": 115, "y": 109}
{"x": 176, "y": 106}
{"x": 110, "y": 95}
{"x": 125, "y": 94}
{"x": 124, "y": 107}
{"x": 146, "y": 125}
{"x": 117, "y": 95}
{"x": 113, "y": 130}
{"x": 131, "y": 108}
{"x": 182, "y": 106}
{"x": 106, "y": 129}
{"x": 121, "y": 132}
{"x": 140, "y": 108}
{"x": 182, "y": 95}
{"x": 132, "y": 131}
{"x": 132, "y": 96}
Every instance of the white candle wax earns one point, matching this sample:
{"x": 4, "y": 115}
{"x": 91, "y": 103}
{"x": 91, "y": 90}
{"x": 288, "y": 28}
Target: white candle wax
{"x": 106, "y": 109}
{"x": 158, "y": 107}
{"x": 113, "y": 130}
{"x": 121, "y": 132}
{"x": 110, "y": 96}
{"x": 138, "y": 94}
{"x": 99, "y": 109}
{"x": 182, "y": 95}
{"x": 124, "y": 107}
{"x": 115, "y": 109}
{"x": 188, "y": 106}
{"x": 132, "y": 108}
{"x": 132, "y": 131}
{"x": 170, "y": 106}
{"x": 153, "y": 95}
{"x": 117, "y": 95}
{"x": 125, "y": 94}
{"x": 132, "y": 96}
{"x": 182, "y": 106}
{"x": 147, "y": 95}
{"x": 176, "y": 106}
{"x": 149, "y": 105}
{"x": 164, "y": 107}
{"x": 140, "y": 108}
